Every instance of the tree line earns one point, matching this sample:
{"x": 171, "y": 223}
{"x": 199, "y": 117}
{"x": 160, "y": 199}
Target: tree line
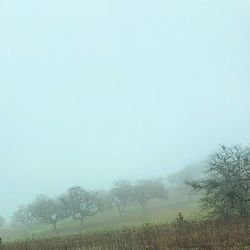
{"x": 224, "y": 185}
{"x": 78, "y": 203}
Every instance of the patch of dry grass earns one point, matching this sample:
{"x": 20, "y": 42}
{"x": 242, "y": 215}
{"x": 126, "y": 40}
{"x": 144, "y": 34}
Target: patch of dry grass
{"x": 227, "y": 234}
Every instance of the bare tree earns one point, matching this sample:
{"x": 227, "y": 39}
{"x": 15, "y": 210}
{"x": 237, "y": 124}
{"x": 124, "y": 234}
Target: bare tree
{"x": 104, "y": 200}
{"x": 83, "y": 202}
{"x": 177, "y": 181}
{"x": 145, "y": 190}
{"x": 189, "y": 173}
{"x": 64, "y": 207}
{"x": 121, "y": 194}
{"x": 23, "y": 216}
{"x": 46, "y": 210}
{"x": 226, "y": 188}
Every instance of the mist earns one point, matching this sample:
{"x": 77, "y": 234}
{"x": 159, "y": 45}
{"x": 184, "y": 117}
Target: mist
{"x": 95, "y": 91}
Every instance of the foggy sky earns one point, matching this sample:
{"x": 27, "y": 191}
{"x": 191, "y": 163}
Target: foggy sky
{"x": 92, "y": 91}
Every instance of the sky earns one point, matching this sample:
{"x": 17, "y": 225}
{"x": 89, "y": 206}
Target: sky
{"x": 93, "y": 91}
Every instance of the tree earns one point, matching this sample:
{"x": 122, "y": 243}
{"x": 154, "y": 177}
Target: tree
{"x": 105, "y": 200}
{"x": 121, "y": 194}
{"x": 177, "y": 181}
{"x": 23, "y": 216}
{"x": 64, "y": 207}
{"x": 189, "y": 173}
{"x": 47, "y": 210}
{"x": 83, "y": 202}
{"x": 226, "y": 187}
{"x": 145, "y": 190}
{"x": 2, "y": 221}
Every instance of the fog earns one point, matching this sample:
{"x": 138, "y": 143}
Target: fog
{"x": 94, "y": 91}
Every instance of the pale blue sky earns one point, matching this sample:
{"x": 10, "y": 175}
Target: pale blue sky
{"x": 92, "y": 91}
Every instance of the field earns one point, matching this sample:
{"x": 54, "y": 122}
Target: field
{"x": 153, "y": 228}
{"x": 233, "y": 234}
{"x": 157, "y": 211}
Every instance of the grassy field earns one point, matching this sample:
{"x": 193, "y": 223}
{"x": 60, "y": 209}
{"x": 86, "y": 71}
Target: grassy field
{"x": 157, "y": 211}
{"x": 228, "y": 234}
{"x": 155, "y": 228}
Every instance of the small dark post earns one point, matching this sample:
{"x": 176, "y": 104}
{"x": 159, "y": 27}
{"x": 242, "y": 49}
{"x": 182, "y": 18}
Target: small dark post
{"x": 1, "y": 242}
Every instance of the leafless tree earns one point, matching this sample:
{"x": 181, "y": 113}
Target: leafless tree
{"x": 83, "y": 202}
{"x": 145, "y": 190}
{"x": 121, "y": 194}
{"x": 46, "y": 210}
{"x": 226, "y": 188}
{"x": 23, "y": 216}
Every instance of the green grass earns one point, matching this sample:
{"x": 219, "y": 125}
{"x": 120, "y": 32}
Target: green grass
{"x": 157, "y": 211}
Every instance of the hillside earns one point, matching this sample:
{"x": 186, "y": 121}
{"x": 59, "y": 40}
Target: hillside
{"x": 157, "y": 211}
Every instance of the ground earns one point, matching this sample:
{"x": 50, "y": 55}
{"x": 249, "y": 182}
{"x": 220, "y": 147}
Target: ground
{"x": 157, "y": 211}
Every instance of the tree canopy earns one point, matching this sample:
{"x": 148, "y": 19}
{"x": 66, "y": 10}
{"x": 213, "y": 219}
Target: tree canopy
{"x": 226, "y": 187}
